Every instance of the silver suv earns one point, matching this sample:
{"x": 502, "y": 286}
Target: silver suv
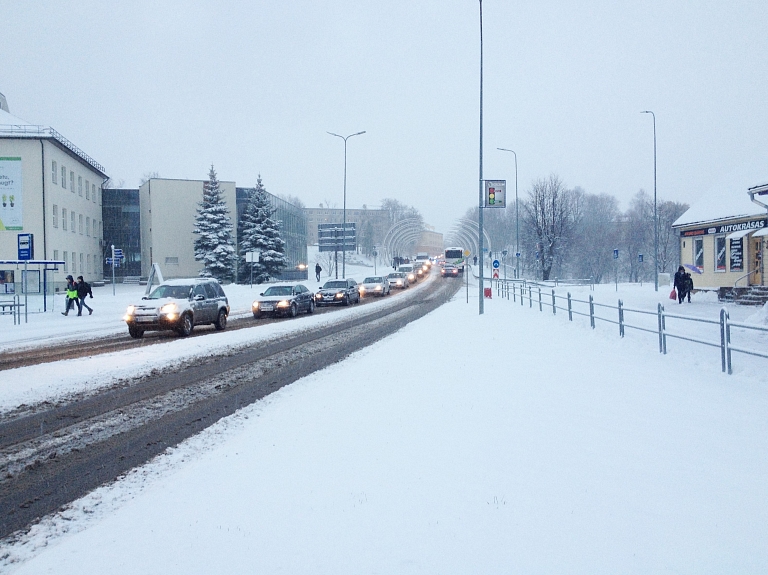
{"x": 179, "y": 305}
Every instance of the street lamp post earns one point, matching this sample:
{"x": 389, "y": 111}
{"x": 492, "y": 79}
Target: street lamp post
{"x": 655, "y": 214}
{"x": 517, "y": 219}
{"x": 480, "y": 193}
{"x": 344, "y": 226}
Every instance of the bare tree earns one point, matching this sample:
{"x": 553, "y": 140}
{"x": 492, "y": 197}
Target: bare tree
{"x": 146, "y": 176}
{"x": 595, "y": 235}
{"x": 548, "y": 213}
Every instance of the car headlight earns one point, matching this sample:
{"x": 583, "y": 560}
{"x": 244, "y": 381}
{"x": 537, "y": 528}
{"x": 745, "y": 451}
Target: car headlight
{"x": 131, "y": 309}
{"x": 399, "y": 282}
{"x": 255, "y": 305}
{"x": 411, "y": 277}
{"x": 318, "y": 296}
{"x": 168, "y": 308}
{"x": 339, "y": 295}
{"x": 378, "y": 288}
{"x": 283, "y": 303}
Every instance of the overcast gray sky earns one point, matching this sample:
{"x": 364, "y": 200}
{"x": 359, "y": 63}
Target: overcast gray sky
{"x": 252, "y": 87}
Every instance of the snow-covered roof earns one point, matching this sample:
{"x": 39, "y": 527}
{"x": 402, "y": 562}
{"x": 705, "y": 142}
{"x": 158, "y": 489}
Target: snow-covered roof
{"x": 727, "y": 198}
{"x": 14, "y": 127}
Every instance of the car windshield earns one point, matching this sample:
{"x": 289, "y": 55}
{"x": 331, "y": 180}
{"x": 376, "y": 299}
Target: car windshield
{"x": 372, "y": 280}
{"x": 278, "y": 290}
{"x": 176, "y": 292}
{"x": 395, "y": 275}
{"x": 335, "y": 285}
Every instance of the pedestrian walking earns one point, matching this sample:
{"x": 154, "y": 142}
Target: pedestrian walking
{"x": 318, "y": 269}
{"x": 680, "y": 284}
{"x": 688, "y": 286}
{"x": 71, "y": 298}
{"x": 83, "y": 289}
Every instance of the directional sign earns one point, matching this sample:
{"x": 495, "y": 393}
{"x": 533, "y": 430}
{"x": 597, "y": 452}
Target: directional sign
{"x": 118, "y": 253}
{"x": 615, "y": 254}
{"x": 496, "y": 264}
{"x": 495, "y": 274}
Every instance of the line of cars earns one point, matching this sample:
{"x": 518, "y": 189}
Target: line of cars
{"x": 181, "y": 305}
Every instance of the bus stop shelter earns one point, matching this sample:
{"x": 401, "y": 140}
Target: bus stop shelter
{"x": 25, "y": 283}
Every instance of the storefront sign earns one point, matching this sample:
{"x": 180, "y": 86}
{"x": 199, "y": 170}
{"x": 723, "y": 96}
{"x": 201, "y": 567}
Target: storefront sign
{"x": 725, "y": 228}
{"x": 737, "y": 255}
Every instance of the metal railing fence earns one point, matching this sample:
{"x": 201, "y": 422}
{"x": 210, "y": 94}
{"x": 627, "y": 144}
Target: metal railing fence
{"x": 521, "y": 290}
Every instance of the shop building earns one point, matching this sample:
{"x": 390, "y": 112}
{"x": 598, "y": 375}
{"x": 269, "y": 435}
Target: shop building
{"x": 722, "y": 238}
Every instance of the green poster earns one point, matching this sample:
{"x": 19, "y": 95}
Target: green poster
{"x": 10, "y": 193}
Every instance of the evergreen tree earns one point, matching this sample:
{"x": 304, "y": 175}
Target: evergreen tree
{"x": 258, "y": 231}
{"x": 215, "y": 244}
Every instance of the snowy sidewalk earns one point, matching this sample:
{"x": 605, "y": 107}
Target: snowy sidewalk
{"x": 524, "y": 444}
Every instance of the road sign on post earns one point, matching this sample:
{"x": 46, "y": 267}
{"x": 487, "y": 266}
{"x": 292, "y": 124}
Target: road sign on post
{"x": 495, "y": 193}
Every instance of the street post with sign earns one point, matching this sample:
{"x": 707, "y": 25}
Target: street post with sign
{"x": 616, "y": 266}
{"x": 252, "y": 257}
{"x": 495, "y": 193}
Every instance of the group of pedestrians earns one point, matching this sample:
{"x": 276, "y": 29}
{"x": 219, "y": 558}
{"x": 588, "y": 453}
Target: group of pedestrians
{"x": 76, "y": 294}
{"x": 683, "y": 285}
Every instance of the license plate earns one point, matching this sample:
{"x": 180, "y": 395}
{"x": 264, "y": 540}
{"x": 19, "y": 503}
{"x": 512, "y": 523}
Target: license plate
{"x": 266, "y": 308}
{"x": 146, "y": 319}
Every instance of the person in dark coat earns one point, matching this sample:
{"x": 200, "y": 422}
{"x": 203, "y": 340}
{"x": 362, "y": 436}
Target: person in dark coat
{"x": 318, "y": 269}
{"x": 688, "y": 286}
{"x": 71, "y": 296}
{"x": 680, "y": 284}
{"x": 83, "y": 289}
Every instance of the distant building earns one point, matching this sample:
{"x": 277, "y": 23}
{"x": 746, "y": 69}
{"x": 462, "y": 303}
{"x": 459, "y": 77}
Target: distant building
{"x": 168, "y": 209}
{"x": 431, "y": 242}
{"x": 53, "y": 190}
{"x": 122, "y": 228}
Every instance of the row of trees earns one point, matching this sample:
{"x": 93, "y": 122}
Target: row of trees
{"x": 571, "y": 233}
{"x": 215, "y": 245}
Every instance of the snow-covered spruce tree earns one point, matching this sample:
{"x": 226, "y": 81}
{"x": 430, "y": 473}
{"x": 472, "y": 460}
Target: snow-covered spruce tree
{"x": 258, "y": 231}
{"x": 215, "y": 246}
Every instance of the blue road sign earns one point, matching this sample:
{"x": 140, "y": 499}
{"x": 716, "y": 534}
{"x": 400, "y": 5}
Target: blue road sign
{"x": 496, "y": 264}
{"x": 640, "y": 258}
{"x": 118, "y": 253}
{"x": 518, "y": 254}
{"x": 615, "y": 254}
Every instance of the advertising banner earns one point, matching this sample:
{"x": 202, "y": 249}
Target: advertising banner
{"x": 10, "y": 193}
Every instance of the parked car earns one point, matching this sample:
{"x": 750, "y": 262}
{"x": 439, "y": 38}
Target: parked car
{"x": 338, "y": 292}
{"x": 374, "y": 285}
{"x": 408, "y": 270}
{"x": 398, "y": 280}
{"x": 179, "y": 305}
{"x": 449, "y": 271}
{"x": 283, "y": 299}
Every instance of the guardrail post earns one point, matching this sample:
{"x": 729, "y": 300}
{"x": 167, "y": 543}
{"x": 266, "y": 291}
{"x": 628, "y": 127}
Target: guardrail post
{"x": 621, "y": 318}
{"x": 662, "y": 327}
{"x": 554, "y": 303}
{"x": 725, "y": 342}
{"x": 530, "y": 297}
{"x": 591, "y": 311}
{"x": 540, "y": 308}
{"x": 570, "y": 308}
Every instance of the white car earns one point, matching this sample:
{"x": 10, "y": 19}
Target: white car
{"x": 374, "y": 285}
{"x": 398, "y": 280}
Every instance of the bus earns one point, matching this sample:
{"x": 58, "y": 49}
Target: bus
{"x": 455, "y": 257}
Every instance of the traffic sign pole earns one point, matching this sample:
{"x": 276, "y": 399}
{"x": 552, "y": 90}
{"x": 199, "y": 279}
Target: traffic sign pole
{"x": 113, "y": 269}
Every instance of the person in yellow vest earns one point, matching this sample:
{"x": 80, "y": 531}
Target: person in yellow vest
{"x": 71, "y": 296}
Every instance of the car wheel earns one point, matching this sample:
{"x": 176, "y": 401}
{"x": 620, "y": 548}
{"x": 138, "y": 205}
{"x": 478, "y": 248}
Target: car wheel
{"x": 346, "y": 299}
{"x": 311, "y": 306}
{"x": 294, "y": 311}
{"x": 185, "y": 328}
{"x": 135, "y": 332}
{"x": 221, "y": 321}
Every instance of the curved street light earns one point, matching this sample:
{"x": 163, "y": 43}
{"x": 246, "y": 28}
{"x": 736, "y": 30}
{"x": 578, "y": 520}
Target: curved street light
{"x": 344, "y": 225}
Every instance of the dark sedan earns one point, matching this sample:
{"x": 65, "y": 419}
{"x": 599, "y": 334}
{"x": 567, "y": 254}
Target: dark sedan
{"x": 285, "y": 300}
{"x": 338, "y": 292}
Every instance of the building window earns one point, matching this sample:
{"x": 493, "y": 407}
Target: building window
{"x": 87, "y": 190}
{"x": 65, "y": 262}
{"x": 737, "y": 255}
{"x": 698, "y": 253}
{"x": 172, "y": 261}
{"x": 72, "y": 181}
{"x": 79, "y": 185}
{"x": 81, "y": 263}
{"x": 55, "y": 255}
{"x": 80, "y": 227}
{"x": 55, "y": 216}
{"x": 55, "y": 172}
{"x": 101, "y": 231}
{"x": 88, "y": 263}
{"x": 93, "y": 192}
{"x": 64, "y": 177}
{"x": 88, "y": 227}
{"x": 99, "y": 196}
{"x": 64, "y": 219}
{"x": 72, "y": 221}
{"x": 719, "y": 253}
